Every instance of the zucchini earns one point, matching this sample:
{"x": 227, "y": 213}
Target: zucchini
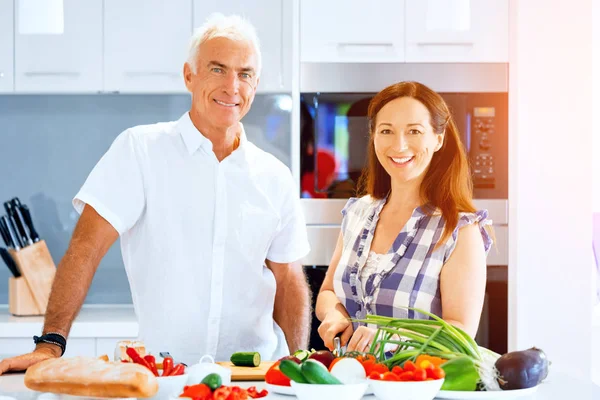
{"x": 246, "y": 359}
{"x": 315, "y": 372}
{"x": 292, "y": 370}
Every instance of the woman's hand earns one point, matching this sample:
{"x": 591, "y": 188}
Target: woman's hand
{"x": 335, "y": 322}
{"x": 362, "y": 339}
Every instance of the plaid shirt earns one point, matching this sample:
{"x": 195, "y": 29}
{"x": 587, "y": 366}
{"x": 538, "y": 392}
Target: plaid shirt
{"x": 411, "y": 277}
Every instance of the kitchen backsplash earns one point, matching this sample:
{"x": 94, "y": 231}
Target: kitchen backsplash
{"x": 50, "y": 143}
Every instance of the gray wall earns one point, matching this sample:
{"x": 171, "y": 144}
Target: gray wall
{"x": 50, "y": 143}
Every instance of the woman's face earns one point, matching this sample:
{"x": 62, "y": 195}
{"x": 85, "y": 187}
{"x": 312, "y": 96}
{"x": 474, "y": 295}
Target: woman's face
{"x": 404, "y": 139}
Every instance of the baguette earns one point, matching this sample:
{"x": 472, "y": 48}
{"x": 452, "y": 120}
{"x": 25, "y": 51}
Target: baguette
{"x": 92, "y": 377}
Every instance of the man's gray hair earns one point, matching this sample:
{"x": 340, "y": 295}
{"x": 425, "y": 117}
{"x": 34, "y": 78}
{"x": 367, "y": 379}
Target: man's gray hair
{"x": 232, "y": 27}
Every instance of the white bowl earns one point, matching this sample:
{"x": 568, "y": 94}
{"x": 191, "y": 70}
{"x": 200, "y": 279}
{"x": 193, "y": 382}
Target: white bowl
{"x": 309, "y": 391}
{"x": 392, "y": 390}
{"x": 170, "y": 386}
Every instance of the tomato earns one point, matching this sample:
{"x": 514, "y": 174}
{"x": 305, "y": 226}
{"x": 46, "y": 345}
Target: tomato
{"x": 381, "y": 368}
{"x": 409, "y": 366}
{"x": 420, "y": 374}
{"x": 221, "y": 393}
{"x": 369, "y": 357}
{"x": 275, "y": 377}
{"x": 376, "y": 376}
{"x": 397, "y": 370}
{"x": 438, "y": 373}
{"x": 390, "y": 376}
{"x": 406, "y": 376}
{"x": 368, "y": 366}
{"x": 200, "y": 391}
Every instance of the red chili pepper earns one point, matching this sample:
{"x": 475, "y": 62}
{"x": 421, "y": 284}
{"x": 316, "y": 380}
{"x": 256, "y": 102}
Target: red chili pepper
{"x": 152, "y": 363}
{"x": 167, "y": 366}
{"x": 135, "y": 357}
{"x": 177, "y": 370}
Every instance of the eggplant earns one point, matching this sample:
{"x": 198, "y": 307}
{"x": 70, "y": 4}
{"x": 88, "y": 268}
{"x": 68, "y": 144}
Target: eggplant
{"x": 522, "y": 369}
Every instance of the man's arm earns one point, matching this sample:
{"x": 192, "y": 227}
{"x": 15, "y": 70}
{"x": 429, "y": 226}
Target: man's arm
{"x": 292, "y": 303}
{"x": 91, "y": 239}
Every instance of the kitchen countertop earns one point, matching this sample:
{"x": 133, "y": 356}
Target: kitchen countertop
{"x": 93, "y": 321}
{"x": 556, "y": 387}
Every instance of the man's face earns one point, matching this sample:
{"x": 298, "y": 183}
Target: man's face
{"x": 225, "y": 81}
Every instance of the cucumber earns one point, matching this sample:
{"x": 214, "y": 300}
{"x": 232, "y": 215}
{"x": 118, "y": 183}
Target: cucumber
{"x": 292, "y": 371}
{"x": 213, "y": 381}
{"x": 246, "y": 359}
{"x": 315, "y": 372}
{"x": 302, "y": 354}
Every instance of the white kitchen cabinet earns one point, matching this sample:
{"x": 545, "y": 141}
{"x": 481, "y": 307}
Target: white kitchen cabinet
{"x": 6, "y": 47}
{"x": 75, "y": 347}
{"x": 457, "y": 31}
{"x": 145, "y": 45}
{"x": 67, "y": 62}
{"x": 272, "y": 20}
{"x": 352, "y": 31}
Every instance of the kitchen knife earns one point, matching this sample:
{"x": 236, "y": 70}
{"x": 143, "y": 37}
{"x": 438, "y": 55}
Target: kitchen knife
{"x": 10, "y": 263}
{"x": 29, "y": 222}
{"x": 19, "y": 223}
{"x": 4, "y": 234}
{"x": 14, "y": 238}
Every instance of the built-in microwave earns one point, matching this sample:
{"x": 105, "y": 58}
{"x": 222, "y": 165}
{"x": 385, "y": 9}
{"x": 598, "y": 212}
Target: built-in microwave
{"x": 334, "y": 138}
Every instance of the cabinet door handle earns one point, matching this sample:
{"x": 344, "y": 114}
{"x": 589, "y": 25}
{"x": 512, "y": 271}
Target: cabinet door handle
{"x": 466, "y": 44}
{"x": 363, "y": 44}
{"x": 71, "y": 74}
{"x": 140, "y": 74}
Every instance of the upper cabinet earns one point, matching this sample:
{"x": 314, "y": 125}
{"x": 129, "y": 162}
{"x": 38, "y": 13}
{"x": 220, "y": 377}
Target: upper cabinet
{"x": 272, "y": 20}
{"x": 6, "y": 46}
{"x": 457, "y": 31}
{"x": 145, "y": 45}
{"x": 66, "y": 57}
{"x": 352, "y": 31}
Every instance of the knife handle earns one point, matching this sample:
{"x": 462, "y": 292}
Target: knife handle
{"x": 18, "y": 217}
{"x": 27, "y": 216}
{"x": 4, "y": 234}
{"x": 7, "y": 221}
{"x": 10, "y": 262}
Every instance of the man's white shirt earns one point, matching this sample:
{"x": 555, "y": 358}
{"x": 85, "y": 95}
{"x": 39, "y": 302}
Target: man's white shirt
{"x": 194, "y": 237}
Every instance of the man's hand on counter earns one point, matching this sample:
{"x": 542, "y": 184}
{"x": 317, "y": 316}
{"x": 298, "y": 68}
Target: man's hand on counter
{"x": 43, "y": 351}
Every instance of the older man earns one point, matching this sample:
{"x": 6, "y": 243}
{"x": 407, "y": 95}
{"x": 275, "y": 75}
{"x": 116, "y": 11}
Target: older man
{"x": 211, "y": 227}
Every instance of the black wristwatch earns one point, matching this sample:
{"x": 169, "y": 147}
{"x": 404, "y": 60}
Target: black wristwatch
{"x": 52, "y": 338}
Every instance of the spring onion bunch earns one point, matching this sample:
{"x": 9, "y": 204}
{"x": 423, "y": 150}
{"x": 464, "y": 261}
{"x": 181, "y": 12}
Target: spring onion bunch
{"x": 434, "y": 337}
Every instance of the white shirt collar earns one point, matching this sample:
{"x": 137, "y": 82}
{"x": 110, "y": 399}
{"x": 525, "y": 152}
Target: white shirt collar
{"x": 194, "y": 139}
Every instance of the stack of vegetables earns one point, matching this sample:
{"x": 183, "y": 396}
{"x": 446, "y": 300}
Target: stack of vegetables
{"x": 466, "y": 365}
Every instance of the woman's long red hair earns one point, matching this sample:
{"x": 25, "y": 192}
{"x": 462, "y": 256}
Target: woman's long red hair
{"x": 447, "y": 184}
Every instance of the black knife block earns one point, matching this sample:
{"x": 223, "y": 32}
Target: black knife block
{"x": 28, "y": 295}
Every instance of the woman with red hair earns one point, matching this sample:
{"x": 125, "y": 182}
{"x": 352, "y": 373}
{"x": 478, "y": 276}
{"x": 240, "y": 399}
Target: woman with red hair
{"x": 414, "y": 239}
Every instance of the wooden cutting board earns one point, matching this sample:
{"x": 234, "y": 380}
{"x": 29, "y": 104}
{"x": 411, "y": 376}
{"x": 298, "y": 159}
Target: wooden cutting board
{"x": 248, "y": 373}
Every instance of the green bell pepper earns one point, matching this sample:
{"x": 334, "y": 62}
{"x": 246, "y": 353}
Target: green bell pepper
{"x": 461, "y": 374}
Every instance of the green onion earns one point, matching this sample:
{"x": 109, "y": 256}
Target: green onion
{"x": 434, "y": 337}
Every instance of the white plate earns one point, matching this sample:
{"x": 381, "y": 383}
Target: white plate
{"x": 496, "y": 394}
{"x": 279, "y": 389}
